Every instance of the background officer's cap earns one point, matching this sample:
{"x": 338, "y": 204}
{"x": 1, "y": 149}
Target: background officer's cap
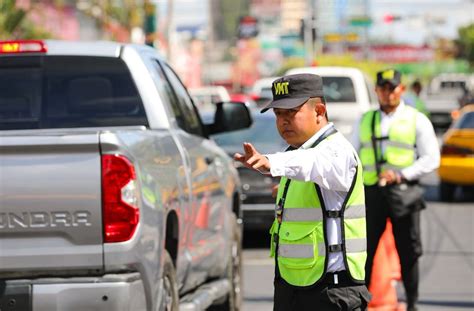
{"x": 390, "y": 76}
{"x": 294, "y": 90}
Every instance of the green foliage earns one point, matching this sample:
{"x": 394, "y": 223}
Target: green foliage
{"x": 410, "y": 71}
{"x": 15, "y": 25}
{"x": 465, "y": 43}
{"x": 345, "y": 60}
{"x": 369, "y": 67}
{"x": 289, "y": 63}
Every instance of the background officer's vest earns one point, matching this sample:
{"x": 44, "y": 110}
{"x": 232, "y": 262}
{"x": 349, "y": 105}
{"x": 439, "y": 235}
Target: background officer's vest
{"x": 399, "y": 144}
{"x": 299, "y": 241}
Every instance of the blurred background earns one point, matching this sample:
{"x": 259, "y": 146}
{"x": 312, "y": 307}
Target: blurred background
{"x": 231, "y": 50}
{"x": 234, "y": 43}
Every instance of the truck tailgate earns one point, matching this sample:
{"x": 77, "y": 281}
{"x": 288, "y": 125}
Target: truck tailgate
{"x": 50, "y": 204}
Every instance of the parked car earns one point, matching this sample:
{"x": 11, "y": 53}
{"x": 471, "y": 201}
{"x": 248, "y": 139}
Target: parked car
{"x": 457, "y": 155}
{"x": 244, "y": 98}
{"x": 112, "y": 195}
{"x": 262, "y": 91}
{"x": 444, "y": 94}
{"x": 348, "y": 92}
{"x": 207, "y": 96}
{"x": 258, "y": 204}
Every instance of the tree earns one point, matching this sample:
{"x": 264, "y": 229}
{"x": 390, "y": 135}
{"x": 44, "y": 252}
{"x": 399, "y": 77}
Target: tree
{"x": 15, "y": 25}
{"x": 465, "y": 43}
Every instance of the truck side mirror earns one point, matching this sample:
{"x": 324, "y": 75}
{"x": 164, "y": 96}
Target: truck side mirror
{"x": 230, "y": 116}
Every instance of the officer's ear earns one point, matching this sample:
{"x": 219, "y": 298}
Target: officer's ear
{"x": 320, "y": 109}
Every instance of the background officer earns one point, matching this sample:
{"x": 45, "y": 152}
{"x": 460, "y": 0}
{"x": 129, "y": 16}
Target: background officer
{"x": 319, "y": 232}
{"x": 413, "y": 98}
{"x": 397, "y": 145}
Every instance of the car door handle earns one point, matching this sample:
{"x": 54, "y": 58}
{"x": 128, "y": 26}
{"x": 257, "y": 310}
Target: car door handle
{"x": 209, "y": 160}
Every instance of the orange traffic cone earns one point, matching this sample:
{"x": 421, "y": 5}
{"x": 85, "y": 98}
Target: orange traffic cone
{"x": 385, "y": 273}
{"x": 202, "y": 217}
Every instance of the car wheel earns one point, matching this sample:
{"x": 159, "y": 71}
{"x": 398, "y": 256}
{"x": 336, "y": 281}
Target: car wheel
{"x": 233, "y": 301}
{"x": 446, "y": 192}
{"x": 170, "y": 289}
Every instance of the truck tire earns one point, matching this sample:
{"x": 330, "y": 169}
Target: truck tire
{"x": 233, "y": 301}
{"x": 170, "y": 287}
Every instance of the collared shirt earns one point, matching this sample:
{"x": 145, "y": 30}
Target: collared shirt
{"x": 332, "y": 165}
{"x": 427, "y": 148}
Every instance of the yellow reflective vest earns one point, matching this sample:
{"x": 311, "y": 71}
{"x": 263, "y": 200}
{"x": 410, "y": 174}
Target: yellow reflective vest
{"x": 399, "y": 144}
{"x": 299, "y": 241}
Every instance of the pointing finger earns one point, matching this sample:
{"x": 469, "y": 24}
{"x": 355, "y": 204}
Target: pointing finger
{"x": 249, "y": 149}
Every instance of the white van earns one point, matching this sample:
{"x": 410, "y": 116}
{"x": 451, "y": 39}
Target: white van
{"x": 348, "y": 92}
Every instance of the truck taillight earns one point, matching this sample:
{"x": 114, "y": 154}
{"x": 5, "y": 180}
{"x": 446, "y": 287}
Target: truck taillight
{"x": 119, "y": 198}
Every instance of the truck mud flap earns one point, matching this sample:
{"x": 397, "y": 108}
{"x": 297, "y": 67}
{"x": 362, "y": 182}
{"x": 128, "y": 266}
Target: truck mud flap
{"x": 15, "y": 297}
{"x": 205, "y": 296}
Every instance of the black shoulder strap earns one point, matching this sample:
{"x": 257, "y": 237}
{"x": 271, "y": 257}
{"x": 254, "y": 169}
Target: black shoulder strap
{"x": 326, "y": 134}
{"x": 374, "y": 143}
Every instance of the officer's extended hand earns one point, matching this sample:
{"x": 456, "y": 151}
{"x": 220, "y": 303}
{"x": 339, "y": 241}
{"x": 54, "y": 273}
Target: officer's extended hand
{"x": 253, "y": 159}
{"x": 390, "y": 177}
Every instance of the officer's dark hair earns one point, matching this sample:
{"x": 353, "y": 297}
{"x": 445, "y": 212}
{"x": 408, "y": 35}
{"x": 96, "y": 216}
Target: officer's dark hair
{"x": 416, "y": 84}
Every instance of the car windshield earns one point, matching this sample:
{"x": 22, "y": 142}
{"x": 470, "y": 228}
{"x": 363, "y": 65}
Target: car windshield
{"x": 338, "y": 90}
{"x": 262, "y": 134}
{"x": 266, "y": 92}
{"x": 67, "y": 91}
{"x": 466, "y": 121}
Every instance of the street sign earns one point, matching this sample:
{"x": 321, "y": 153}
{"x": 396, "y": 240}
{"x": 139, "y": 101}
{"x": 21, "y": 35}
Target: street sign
{"x": 338, "y": 37}
{"x": 361, "y": 21}
{"x": 248, "y": 27}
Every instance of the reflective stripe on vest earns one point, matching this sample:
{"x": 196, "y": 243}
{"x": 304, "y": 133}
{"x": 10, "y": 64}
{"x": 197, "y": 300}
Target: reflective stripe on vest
{"x": 307, "y": 250}
{"x": 399, "y": 145}
{"x": 309, "y": 214}
{"x": 303, "y": 214}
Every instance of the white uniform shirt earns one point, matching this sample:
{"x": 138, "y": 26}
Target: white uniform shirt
{"x": 427, "y": 155}
{"x": 332, "y": 166}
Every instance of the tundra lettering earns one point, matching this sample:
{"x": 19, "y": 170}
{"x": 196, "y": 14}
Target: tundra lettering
{"x": 44, "y": 219}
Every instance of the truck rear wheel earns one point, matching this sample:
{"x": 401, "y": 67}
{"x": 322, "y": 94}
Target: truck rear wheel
{"x": 170, "y": 288}
{"x": 233, "y": 301}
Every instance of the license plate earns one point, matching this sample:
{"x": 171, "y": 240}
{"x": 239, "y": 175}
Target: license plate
{"x": 15, "y": 297}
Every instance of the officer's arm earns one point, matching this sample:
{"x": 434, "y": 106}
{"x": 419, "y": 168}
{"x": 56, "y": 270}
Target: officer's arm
{"x": 427, "y": 149}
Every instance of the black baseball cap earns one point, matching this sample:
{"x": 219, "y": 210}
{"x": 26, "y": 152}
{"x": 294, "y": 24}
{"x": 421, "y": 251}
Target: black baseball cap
{"x": 294, "y": 90}
{"x": 390, "y": 76}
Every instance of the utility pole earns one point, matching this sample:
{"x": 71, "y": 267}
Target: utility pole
{"x": 169, "y": 28}
{"x": 308, "y": 33}
{"x": 365, "y": 48}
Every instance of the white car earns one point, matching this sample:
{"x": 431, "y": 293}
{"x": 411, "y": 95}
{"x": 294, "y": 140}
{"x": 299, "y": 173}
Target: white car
{"x": 262, "y": 91}
{"x": 348, "y": 92}
{"x": 206, "y": 97}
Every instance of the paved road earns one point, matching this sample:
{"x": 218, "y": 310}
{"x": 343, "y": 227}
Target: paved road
{"x": 447, "y": 267}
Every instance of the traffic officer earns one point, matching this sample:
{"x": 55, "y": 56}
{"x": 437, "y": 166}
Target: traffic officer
{"x": 397, "y": 145}
{"x": 319, "y": 232}
{"x": 412, "y": 98}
